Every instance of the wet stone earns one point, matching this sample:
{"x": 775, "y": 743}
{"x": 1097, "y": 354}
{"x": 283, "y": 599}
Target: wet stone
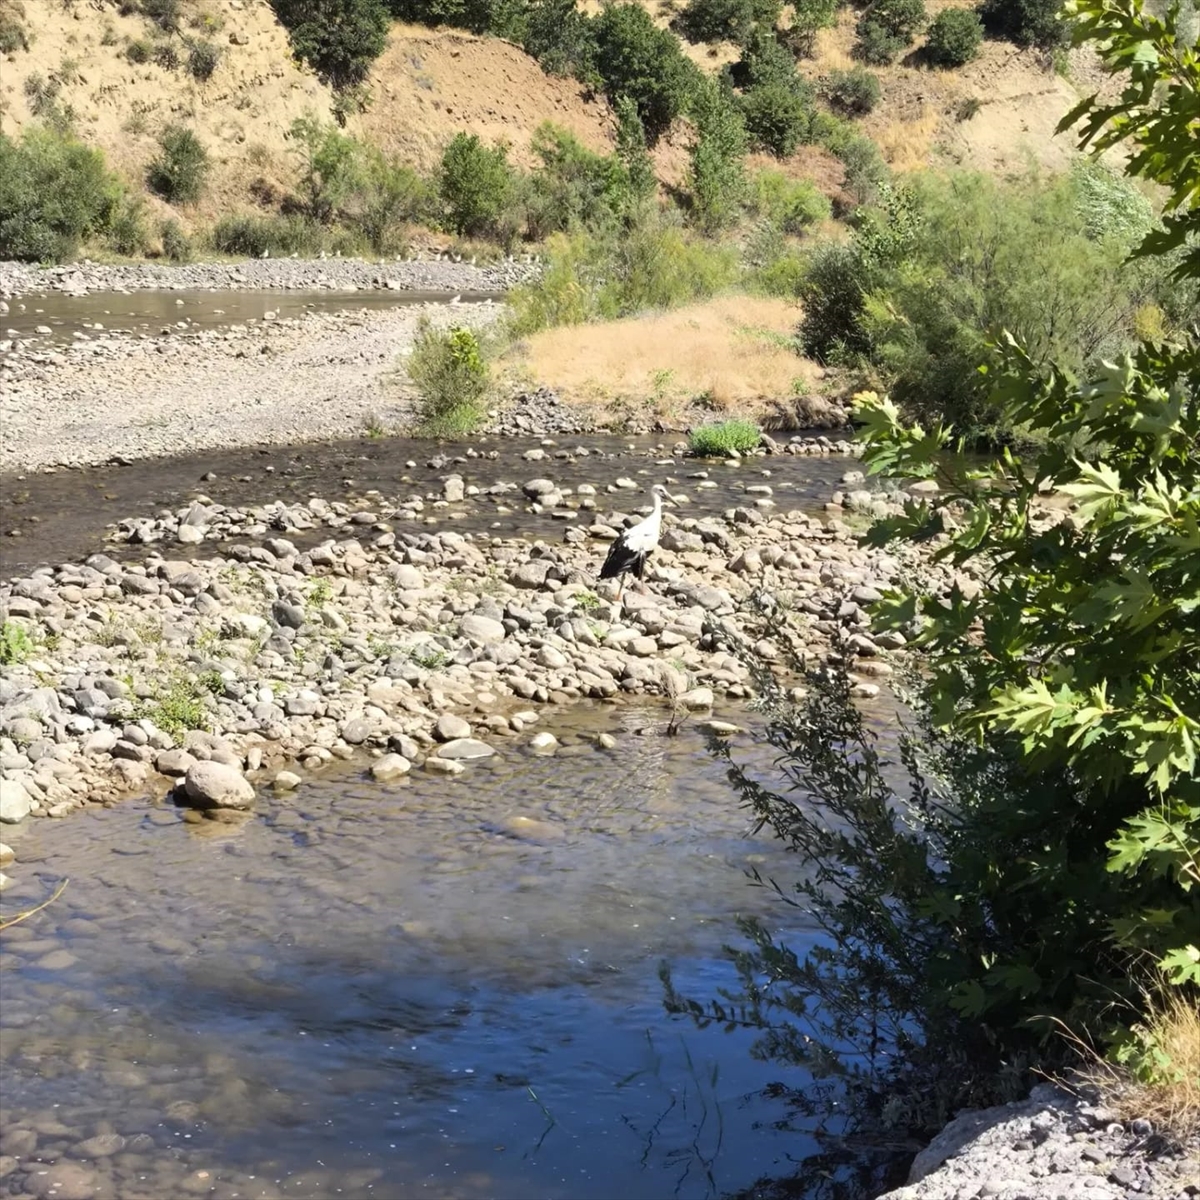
{"x": 389, "y": 767}
{"x": 465, "y": 748}
{"x": 450, "y": 727}
{"x": 66, "y": 1181}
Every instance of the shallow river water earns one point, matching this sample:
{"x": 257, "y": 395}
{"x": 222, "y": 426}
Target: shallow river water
{"x": 431, "y": 988}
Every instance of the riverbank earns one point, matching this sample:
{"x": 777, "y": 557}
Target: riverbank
{"x": 118, "y": 396}
{"x": 1054, "y": 1146}
{"x": 293, "y": 274}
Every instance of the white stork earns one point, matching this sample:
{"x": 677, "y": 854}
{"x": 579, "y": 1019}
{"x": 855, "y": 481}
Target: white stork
{"x": 629, "y": 552}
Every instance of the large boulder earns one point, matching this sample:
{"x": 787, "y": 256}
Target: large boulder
{"x": 217, "y": 785}
{"x": 15, "y": 802}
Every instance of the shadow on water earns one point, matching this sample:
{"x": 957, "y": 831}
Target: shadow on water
{"x": 389, "y": 991}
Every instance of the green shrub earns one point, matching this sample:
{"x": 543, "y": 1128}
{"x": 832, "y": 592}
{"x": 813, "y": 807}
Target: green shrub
{"x": 448, "y": 370}
{"x": 886, "y": 28}
{"x": 778, "y": 116}
{"x": 765, "y": 60}
{"x": 573, "y": 187}
{"x": 476, "y": 185}
{"x": 716, "y": 179}
{"x": 1026, "y": 22}
{"x": 808, "y": 17}
{"x": 865, "y": 170}
{"x": 127, "y": 230}
{"x": 164, "y": 13}
{"x": 202, "y": 60}
{"x": 179, "y": 172}
{"x": 954, "y": 37}
{"x": 176, "y": 245}
{"x": 853, "y": 92}
{"x": 254, "y": 237}
{"x": 329, "y": 166}
{"x": 13, "y": 34}
{"x": 635, "y": 58}
{"x": 561, "y": 38}
{"x": 139, "y": 51}
{"x": 15, "y": 644}
{"x": 166, "y": 56}
{"x": 650, "y": 264}
{"x": 834, "y": 295}
{"x": 339, "y": 39}
{"x": 54, "y": 192}
{"x": 390, "y": 195}
{"x": 42, "y": 93}
{"x": 792, "y": 205}
{"x": 726, "y": 20}
{"x": 720, "y": 438}
{"x": 875, "y": 45}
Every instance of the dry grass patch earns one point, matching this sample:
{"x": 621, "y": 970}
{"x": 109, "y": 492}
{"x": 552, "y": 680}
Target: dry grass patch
{"x": 735, "y": 351}
{"x": 1171, "y": 1100}
{"x": 906, "y": 144}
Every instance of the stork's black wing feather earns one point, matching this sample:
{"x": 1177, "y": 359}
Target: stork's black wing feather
{"x": 620, "y": 559}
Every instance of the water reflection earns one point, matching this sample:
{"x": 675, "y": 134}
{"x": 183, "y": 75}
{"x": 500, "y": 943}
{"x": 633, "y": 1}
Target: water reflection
{"x": 257, "y": 1017}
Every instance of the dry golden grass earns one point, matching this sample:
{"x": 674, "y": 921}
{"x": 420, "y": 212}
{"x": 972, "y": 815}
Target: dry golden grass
{"x": 733, "y": 350}
{"x": 1173, "y": 1102}
{"x": 906, "y": 144}
{"x": 831, "y": 51}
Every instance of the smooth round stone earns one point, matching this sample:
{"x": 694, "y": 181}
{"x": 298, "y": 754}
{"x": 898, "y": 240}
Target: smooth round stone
{"x": 464, "y": 748}
{"x": 100, "y": 1146}
{"x": 443, "y": 766}
{"x": 66, "y": 1181}
{"x": 286, "y": 781}
{"x": 543, "y": 743}
{"x": 391, "y": 766}
{"x": 451, "y": 728}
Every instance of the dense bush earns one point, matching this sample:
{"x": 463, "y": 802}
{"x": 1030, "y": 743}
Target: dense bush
{"x": 139, "y": 51}
{"x": 573, "y": 187}
{"x": 127, "y": 231}
{"x": 448, "y": 370}
{"x": 1025, "y": 22}
{"x": 256, "y": 237}
{"x": 54, "y": 193}
{"x": 166, "y": 56}
{"x": 202, "y": 60}
{"x": 834, "y": 294}
{"x": 764, "y": 60}
{"x": 790, "y": 204}
{"x": 329, "y": 166}
{"x": 721, "y": 438}
{"x": 561, "y": 38}
{"x": 176, "y": 245}
{"x": 635, "y": 58}
{"x": 13, "y": 34}
{"x": 650, "y": 264}
{"x": 726, "y": 20}
{"x": 778, "y": 116}
{"x": 716, "y": 178}
{"x": 853, "y": 92}
{"x": 954, "y": 37}
{"x": 886, "y": 28}
{"x": 476, "y": 185}
{"x": 389, "y": 196}
{"x": 339, "y": 39}
{"x": 179, "y": 172}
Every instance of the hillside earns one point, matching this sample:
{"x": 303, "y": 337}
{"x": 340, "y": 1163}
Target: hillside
{"x": 430, "y": 84}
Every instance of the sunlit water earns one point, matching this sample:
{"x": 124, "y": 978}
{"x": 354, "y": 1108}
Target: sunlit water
{"x": 430, "y": 988}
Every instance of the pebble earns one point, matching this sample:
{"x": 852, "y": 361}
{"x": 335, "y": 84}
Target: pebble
{"x": 286, "y": 781}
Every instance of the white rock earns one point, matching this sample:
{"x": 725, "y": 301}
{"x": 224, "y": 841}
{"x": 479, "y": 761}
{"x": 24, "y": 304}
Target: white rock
{"x": 15, "y": 802}
{"x": 444, "y": 766}
{"x": 216, "y": 785}
{"x": 543, "y": 743}
{"x": 697, "y": 699}
{"x": 390, "y": 766}
{"x": 286, "y": 781}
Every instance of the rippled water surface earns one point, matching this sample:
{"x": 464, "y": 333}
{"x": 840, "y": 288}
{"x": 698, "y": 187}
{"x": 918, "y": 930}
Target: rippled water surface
{"x": 430, "y": 988}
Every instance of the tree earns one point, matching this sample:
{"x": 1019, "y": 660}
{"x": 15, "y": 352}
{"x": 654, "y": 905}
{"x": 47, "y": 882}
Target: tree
{"x": 726, "y": 20}
{"x": 390, "y": 194}
{"x": 339, "y": 39}
{"x": 717, "y": 177}
{"x": 778, "y": 117}
{"x": 1086, "y": 665}
{"x": 887, "y": 27}
{"x": 476, "y": 185}
{"x": 329, "y": 166}
{"x": 635, "y": 58}
{"x": 1026, "y": 22}
{"x": 954, "y": 37}
{"x": 808, "y": 18}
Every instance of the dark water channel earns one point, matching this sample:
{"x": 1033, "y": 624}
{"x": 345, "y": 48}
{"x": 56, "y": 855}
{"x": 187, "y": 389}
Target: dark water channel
{"x": 149, "y": 311}
{"x": 62, "y": 516}
{"x": 433, "y": 988}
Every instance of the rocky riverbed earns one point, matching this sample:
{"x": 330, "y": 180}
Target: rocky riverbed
{"x": 316, "y": 631}
{"x": 444, "y": 273}
{"x": 1057, "y": 1145}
